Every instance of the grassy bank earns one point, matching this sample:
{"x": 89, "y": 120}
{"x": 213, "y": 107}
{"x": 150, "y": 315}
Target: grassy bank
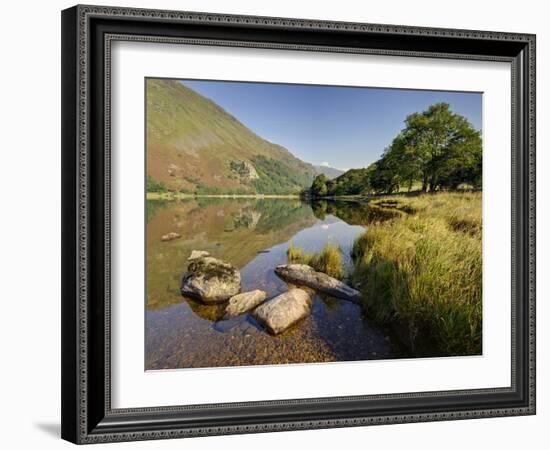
{"x": 422, "y": 271}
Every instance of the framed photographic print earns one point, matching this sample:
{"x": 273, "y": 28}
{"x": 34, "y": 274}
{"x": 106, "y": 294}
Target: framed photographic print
{"x": 282, "y": 224}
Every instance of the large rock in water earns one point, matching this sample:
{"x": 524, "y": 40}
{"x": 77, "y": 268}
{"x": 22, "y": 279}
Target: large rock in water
{"x": 211, "y": 280}
{"x": 304, "y": 275}
{"x": 241, "y": 303}
{"x": 282, "y": 311}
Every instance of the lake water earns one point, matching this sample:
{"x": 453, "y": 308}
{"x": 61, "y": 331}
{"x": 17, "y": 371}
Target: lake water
{"x": 253, "y": 235}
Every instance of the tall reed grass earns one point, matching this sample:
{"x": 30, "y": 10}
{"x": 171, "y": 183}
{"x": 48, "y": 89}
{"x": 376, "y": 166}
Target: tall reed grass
{"x": 422, "y": 271}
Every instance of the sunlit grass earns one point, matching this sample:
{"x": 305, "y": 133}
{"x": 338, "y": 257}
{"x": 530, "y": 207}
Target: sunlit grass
{"x": 423, "y": 271}
{"x": 328, "y": 260}
{"x": 297, "y": 255}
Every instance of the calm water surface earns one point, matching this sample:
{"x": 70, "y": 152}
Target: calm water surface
{"x": 253, "y": 235}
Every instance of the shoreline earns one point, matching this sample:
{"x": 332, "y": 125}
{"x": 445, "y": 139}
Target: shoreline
{"x": 354, "y": 198}
{"x": 179, "y": 196}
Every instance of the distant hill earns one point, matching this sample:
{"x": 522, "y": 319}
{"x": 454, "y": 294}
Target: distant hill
{"x": 352, "y": 182}
{"x": 194, "y": 145}
{"x": 330, "y": 172}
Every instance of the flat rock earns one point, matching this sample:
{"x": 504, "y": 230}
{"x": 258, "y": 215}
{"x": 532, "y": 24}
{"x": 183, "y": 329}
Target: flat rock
{"x": 211, "y": 280}
{"x": 304, "y": 275}
{"x": 170, "y": 236}
{"x": 283, "y": 311}
{"x": 241, "y": 303}
{"x": 195, "y": 254}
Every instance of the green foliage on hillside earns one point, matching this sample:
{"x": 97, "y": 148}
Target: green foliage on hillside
{"x": 352, "y": 182}
{"x": 276, "y": 177}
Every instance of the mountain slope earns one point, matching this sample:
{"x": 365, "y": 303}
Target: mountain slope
{"x": 194, "y": 145}
{"x": 331, "y": 172}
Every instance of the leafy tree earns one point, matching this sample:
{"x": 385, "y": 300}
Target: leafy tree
{"x": 352, "y": 182}
{"x": 384, "y": 177}
{"x": 319, "y": 186}
{"x": 437, "y": 147}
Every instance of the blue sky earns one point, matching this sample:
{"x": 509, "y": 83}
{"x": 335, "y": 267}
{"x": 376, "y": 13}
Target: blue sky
{"x": 344, "y": 127}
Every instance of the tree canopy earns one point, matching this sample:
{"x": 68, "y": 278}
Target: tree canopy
{"x": 437, "y": 149}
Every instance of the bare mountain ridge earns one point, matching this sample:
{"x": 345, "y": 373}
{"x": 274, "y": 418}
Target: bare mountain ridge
{"x": 330, "y": 172}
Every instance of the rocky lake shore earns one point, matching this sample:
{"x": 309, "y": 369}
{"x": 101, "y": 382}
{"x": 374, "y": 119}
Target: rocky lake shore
{"x": 213, "y": 281}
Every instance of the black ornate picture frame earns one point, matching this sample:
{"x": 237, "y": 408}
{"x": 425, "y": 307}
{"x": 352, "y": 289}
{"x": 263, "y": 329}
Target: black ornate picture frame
{"x": 87, "y": 35}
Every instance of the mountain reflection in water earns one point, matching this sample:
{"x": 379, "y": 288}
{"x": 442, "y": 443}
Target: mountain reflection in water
{"x": 253, "y": 235}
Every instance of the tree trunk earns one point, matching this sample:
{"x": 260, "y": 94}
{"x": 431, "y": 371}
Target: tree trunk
{"x": 433, "y": 183}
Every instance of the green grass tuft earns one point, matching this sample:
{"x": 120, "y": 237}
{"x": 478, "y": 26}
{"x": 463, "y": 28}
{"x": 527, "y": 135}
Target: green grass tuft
{"x": 297, "y": 255}
{"x": 328, "y": 260}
